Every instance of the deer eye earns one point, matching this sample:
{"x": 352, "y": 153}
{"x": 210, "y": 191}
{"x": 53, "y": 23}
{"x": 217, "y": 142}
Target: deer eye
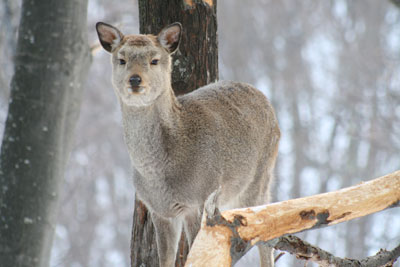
{"x": 154, "y": 62}
{"x": 122, "y": 62}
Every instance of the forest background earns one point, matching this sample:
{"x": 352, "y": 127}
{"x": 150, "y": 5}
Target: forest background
{"x": 332, "y": 72}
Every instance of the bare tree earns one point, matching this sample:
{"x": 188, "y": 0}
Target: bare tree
{"x": 51, "y": 61}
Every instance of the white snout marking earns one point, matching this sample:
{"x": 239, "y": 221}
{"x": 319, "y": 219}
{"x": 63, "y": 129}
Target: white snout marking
{"x": 137, "y": 90}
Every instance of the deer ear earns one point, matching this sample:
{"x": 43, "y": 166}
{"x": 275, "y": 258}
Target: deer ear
{"x": 170, "y": 36}
{"x": 109, "y": 36}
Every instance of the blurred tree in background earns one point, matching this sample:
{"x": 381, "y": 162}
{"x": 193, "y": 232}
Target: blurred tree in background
{"x": 331, "y": 69}
{"x": 51, "y": 59}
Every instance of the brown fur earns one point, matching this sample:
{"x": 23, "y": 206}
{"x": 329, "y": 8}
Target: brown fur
{"x": 182, "y": 149}
{"x": 138, "y": 40}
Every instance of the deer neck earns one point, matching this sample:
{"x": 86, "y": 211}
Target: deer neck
{"x": 147, "y": 132}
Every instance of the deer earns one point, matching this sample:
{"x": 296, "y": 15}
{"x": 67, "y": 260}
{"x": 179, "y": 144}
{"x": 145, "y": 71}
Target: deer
{"x": 182, "y": 148}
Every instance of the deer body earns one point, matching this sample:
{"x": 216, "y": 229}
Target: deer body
{"x": 183, "y": 148}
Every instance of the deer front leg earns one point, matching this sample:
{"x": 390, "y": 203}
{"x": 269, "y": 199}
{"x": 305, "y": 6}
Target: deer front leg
{"x": 168, "y": 232}
{"x": 191, "y": 225}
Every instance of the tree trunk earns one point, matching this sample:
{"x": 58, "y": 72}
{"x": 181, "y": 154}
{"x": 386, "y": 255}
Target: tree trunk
{"x": 51, "y": 62}
{"x": 194, "y": 65}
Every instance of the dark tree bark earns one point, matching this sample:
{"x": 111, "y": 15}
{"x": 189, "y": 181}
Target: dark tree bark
{"x": 196, "y": 62}
{"x": 51, "y": 62}
{"x": 194, "y": 65}
{"x": 396, "y": 2}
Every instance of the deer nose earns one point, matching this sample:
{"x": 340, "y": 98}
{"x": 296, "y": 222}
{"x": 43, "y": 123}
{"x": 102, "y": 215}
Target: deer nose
{"x": 135, "y": 80}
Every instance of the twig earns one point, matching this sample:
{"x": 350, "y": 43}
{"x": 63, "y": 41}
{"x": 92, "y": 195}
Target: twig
{"x": 279, "y": 256}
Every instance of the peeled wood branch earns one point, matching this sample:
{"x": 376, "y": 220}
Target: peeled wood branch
{"x": 226, "y": 237}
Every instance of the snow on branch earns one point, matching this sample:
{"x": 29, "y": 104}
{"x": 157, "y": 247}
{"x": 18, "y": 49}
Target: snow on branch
{"x": 225, "y": 237}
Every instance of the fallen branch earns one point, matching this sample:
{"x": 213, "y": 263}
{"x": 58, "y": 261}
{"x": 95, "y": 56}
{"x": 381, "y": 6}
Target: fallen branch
{"x": 225, "y": 238}
{"x": 305, "y": 251}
